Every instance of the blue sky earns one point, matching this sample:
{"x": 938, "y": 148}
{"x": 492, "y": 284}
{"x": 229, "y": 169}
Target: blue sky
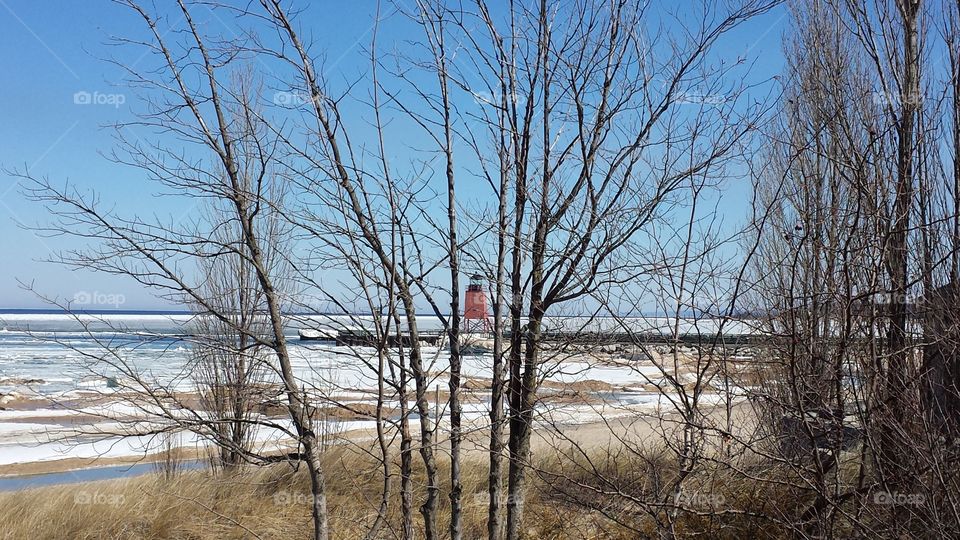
{"x": 51, "y": 50}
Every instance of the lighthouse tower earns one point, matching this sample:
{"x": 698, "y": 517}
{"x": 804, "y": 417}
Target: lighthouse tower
{"x": 475, "y": 307}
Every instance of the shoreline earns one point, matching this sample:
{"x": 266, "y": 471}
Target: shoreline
{"x": 640, "y": 426}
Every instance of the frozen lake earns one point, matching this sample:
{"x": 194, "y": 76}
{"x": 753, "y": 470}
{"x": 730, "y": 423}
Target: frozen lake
{"x": 61, "y": 357}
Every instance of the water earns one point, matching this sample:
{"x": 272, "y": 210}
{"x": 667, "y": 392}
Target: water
{"x": 63, "y": 357}
{"x": 14, "y": 483}
{"x": 55, "y": 353}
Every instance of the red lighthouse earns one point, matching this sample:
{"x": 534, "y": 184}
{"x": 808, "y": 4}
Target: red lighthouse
{"x": 475, "y": 307}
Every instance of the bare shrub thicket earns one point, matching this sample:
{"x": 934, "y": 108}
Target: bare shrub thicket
{"x": 576, "y": 155}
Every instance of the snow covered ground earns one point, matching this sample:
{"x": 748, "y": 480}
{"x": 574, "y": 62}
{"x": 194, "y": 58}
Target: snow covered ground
{"x": 56, "y": 358}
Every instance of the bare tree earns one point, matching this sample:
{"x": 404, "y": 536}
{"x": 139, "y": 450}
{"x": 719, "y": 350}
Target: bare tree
{"x": 231, "y": 369}
{"x": 226, "y": 128}
{"x": 579, "y": 195}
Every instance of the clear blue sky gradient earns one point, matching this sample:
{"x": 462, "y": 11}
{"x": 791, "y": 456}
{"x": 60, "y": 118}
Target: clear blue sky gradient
{"x": 50, "y": 50}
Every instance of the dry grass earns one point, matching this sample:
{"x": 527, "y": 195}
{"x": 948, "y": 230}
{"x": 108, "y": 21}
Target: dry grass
{"x": 274, "y": 502}
{"x": 267, "y": 502}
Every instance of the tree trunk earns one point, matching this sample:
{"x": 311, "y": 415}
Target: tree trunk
{"x": 299, "y": 411}
{"x": 897, "y": 386}
{"x": 456, "y": 487}
{"x": 495, "y": 477}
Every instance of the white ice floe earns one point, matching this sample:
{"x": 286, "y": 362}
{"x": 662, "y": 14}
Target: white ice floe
{"x": 55, "y": 349}
{"x": 27, "y": 443}
{"x": 617, "y": 375}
